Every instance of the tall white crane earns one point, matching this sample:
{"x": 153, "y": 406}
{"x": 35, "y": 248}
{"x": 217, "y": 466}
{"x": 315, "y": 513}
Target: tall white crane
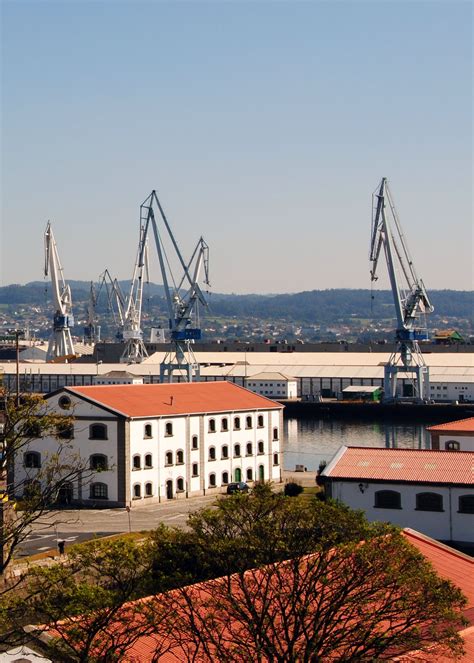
{"x": 410, "y": 298}
{"x": 183, "y": 295}
{"x": 60, "y": 342}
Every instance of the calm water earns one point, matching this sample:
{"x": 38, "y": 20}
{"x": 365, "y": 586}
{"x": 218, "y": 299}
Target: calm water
{"x": 310, "y": 441}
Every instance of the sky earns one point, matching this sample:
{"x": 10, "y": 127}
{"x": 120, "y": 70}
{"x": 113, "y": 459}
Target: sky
{"x": 264, "y": 127}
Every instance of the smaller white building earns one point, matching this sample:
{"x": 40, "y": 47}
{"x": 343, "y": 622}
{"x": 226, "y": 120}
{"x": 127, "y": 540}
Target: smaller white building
{"x": 272, "y": 385}
{"x": 118, "y": 377}
{"x": 453, "y": 436}
{"x": 430, "y": 491}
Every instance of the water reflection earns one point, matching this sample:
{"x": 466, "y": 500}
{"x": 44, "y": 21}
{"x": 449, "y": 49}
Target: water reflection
{"x": 311, "y": 441}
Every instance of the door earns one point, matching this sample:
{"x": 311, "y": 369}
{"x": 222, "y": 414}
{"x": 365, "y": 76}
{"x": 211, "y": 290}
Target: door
{"x": 65, "y": 495}
{"x": 169, "y": 490}
{"x": 261, "y": 473}
{"x": 237, "y": 474}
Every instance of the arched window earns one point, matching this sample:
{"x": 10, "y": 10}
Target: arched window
{"x": 148, "y": 461}
{"x": 261, "y": 447}
{"x": 249, "y": 474}
{"x": 195, "y": 470}
{"x": 275, "y": 434}
{"x": 260, "y": 421}
{"x": 225, "y": 451}
{"x": 225, "y": 478}
{"x": 98, "y": 462}
{"x": 65, "y": 431}
{"x": 148, "y": 489}
{"x": 64, "y": 402}
{"x": 236, "y": 450}
{"x": 225, "y": 424}
{"x": 180, "y": 457}
{"x": 212, "y": 453}
{"x": 452, "y": 445}
{"x": 180, "y": 485}
{"x": 429, "y": 502}
{"x": 137, "y": 491}
{"x": 212, "y": 425}
{"x": 99, "y": 491}
{"x": 275, "y": 459}
{"x": 248, "y": 422}
{"x": 237, "y": 474}
{"x": 97, "y": 432}
{"x": 194, "y": 442}
{"x": 32, "y": 459}
{"x": 147, "y": 433}
{"x": 248, "y": 448}
{"x": 236, "y": 423}
{"x": 212, "y": 480}
{"x": 168, "y": 429}
{"x": 169, "y": 458}
{"x": 137, "y": 462}
{"x": 466, "y": 503}
{"x": 387, "y": 499}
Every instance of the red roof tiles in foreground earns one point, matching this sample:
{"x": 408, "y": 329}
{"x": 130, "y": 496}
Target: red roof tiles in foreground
{"x": 165, "y": 400}
{"x": 413, "y": 465}
{"x": 459, "y": 426}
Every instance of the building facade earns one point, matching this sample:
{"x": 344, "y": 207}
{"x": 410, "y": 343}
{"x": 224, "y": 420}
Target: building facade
{"x": 149, "y": 443}
{"x": 453, "y": 436}
{"x": 272, "y": 385}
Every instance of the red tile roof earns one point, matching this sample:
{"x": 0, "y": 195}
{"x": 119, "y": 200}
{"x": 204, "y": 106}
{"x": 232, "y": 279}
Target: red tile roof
{"x": 459, "y": 426}
{"x": 165, "y": 400}
{"x": 401, "y": 465}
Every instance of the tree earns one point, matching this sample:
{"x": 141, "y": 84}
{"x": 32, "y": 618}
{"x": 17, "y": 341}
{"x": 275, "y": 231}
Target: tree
{"x": 27, "y": 418}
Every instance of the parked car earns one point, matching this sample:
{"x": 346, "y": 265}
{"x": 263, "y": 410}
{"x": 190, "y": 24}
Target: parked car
{"x": 237, "y": 487}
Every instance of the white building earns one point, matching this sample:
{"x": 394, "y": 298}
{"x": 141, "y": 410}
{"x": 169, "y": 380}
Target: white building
{"x": 430, "y": 491}
{"x": 453, "y": 436}
{"x": 118, "y": 377}
{"x": 272, "y": 385}
{"x": 148, "y": 443}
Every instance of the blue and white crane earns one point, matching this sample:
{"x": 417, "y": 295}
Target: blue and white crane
{"x": 410, "y": 298}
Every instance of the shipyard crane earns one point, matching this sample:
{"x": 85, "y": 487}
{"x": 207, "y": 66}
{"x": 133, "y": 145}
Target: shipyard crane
{"x": 183, "y": 295}
{"x": 60, "y": 342}
{"x": 410, "y": 298}
{"x": 91, "y": 330}
{"x": 115, "y": 301}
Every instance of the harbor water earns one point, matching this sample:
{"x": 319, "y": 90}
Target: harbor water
{"x": 308, "y": 442}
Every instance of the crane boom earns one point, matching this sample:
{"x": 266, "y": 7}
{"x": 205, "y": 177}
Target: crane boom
{"x": 409, "y": 294}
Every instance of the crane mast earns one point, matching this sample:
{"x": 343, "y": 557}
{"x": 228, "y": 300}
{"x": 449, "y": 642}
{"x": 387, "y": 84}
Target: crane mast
{"x": 60, "y": 342}
{"x": 410, "y": 298}
{"x": 183, "y": 296}
{"x": 91, "y": 329}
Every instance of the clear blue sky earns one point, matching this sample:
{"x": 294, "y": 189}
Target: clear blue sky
{"x": 264, "y": 126}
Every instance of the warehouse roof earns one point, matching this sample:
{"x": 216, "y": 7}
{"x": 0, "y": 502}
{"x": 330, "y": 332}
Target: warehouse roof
{"x": 459, "y": 426}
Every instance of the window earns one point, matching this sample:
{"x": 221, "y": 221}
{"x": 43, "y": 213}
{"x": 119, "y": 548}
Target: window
{"x": 97, "y": 432}
{"x": 65, "y": 431}
{"x": 148, "y": 461}
{"x": 32, "y": 459}
{"x": 387, "y": 499}
{"x": 137, "y": 491}
{"x": 275, "y": 459}
{"x": 261, "y": 447}
{"x": 225, "y": 451}
{"x": 98, "y": 462}
{"x": 236, "y": 423}
{"x": 212, "y": 480}
{"x": 275, "y": 434}
{"x": 452, "y": 445}
{"x": 225, "y": 478}
{"x": 169, "y": 458}
{"x": 148, "y": 489}
{"x": 137, "y": 462}
{"x": 249, "y": 474}
{"x": 466, "y": 504}
{"x": 168, "y": 429}
{"x": 194, "y": 442}
{"x": 195, "y": 470}
{"x": 99, "y": 491}
{"x": 212, "y": 425}
{"x": 429, "y": 502}
{"x": 248, "y": 422}
{"x": 212, "y": 453}
{"x": 225, "y": 424}
{"x": 180, "y": 485}
{"x": 236, "y": 450}
{"x": 64, "y": 402}
{"x": 249, "y": 449}
{"x": 180, "y": 457}
{"x": 260, "y": 421}
{"x": 147, "y": 433}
